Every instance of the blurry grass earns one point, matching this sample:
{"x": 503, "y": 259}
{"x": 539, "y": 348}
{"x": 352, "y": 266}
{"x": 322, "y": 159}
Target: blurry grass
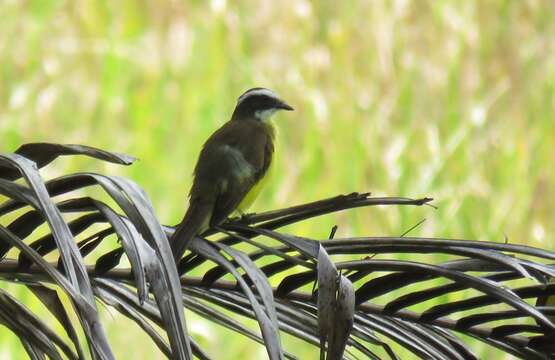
{"x": 448, "y": 99}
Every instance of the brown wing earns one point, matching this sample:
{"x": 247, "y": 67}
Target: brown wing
{"x": 215, "y": 173}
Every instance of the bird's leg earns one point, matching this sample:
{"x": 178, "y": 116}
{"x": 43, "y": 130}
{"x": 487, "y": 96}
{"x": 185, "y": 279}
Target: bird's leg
{"x": 243, "y": 216}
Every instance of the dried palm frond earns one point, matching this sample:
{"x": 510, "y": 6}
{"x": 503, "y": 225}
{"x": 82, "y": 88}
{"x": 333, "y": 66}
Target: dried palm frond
{"x": 496, "y": 293}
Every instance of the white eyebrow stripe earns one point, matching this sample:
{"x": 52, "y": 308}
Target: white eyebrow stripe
{"x": 266, "y": 92}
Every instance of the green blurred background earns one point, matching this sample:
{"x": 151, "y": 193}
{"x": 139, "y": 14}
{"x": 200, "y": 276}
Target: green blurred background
{"x": 449, "y": 99}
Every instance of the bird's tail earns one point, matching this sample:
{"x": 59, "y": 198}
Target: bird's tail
{"x": 196, "y": 221}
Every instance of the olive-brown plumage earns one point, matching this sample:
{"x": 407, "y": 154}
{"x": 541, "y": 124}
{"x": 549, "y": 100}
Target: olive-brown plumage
{"x": 232, "y": 161}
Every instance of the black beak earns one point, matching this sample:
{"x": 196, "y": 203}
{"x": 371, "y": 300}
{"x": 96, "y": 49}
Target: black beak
{"x": 284, "y": 106}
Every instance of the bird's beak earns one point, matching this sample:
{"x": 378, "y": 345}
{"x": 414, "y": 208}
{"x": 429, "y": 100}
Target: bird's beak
{"x": 284, "y": 106}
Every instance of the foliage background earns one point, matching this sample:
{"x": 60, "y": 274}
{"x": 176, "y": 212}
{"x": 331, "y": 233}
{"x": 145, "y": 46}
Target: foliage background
{"x": 450, "y": 99}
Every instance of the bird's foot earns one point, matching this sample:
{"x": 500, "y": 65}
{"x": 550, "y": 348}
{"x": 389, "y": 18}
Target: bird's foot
{"x": 245, "y": 217}
{"x": 242, "y": 218}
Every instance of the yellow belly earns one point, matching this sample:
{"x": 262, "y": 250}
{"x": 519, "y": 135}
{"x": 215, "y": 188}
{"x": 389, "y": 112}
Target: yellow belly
{"x": 251, "y": 196}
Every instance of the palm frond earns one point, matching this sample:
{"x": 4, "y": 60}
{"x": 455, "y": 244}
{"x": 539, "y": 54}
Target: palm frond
{"x": 493, "y": 292}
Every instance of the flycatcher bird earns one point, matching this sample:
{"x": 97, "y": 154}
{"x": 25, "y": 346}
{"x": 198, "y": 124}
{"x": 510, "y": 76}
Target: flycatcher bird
{"x": 231, "y": 166}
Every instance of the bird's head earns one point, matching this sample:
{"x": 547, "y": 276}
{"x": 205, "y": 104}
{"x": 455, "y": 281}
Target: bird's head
{"x": 258, "y": 103}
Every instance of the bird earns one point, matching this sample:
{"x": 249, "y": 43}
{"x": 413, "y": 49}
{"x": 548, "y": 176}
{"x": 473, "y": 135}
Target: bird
{"x": 231, "y": 166}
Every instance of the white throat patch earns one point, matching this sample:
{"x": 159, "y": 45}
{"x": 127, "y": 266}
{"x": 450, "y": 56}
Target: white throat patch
{"x": 264, "y": 115}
